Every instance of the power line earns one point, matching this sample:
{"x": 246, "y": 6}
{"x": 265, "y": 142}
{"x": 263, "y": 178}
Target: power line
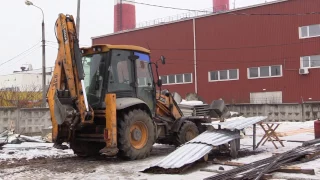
{"x": 166, "y": 7}
{"x": 19, "y": 54}
{"x": 56, "y": 43}
{"x": 53, "y": 47}
{"x": 231, "y": 13}
{"x": 29, "y": 53}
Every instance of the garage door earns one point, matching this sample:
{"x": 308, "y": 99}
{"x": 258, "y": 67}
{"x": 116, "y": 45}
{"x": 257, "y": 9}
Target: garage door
{"x": 266, "y": 97}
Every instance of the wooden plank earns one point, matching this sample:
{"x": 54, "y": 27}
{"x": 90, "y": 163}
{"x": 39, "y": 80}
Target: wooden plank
{"x": 267, "y": 176}
{"x": 227, "y": 163}
{"x": 296, "y": 170}
{"x": 211, "y": 170}
{"x": 311, "y": 156}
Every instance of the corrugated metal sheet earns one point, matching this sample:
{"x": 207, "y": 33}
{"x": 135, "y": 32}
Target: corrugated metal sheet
{"x": 196, "y": 149}
{"x": 241, "y": 122}
{"x": 215, "y": 138}
{"x": 184, "y": 155}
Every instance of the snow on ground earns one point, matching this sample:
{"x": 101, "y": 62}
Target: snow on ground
{"x": 75, "y": 168}
{"x": 32, "y": 150}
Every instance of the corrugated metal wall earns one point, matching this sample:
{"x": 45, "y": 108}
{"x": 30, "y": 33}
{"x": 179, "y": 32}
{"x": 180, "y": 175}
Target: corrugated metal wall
{"x": 170, "y": 38}
{"x": 229, "y": 41}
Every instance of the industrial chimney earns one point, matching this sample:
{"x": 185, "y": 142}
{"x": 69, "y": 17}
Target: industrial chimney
{"x": 124, "y": 15}
{"x": 220, "y": 5}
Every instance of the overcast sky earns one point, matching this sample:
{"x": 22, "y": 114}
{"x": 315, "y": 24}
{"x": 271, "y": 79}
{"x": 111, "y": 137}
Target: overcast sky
{"x": 21, "y": 24}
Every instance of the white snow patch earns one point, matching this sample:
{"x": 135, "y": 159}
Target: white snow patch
{"x": 191, "y": 103}
{"x": 32, "y": 150}
{"x": 233, "y": 113}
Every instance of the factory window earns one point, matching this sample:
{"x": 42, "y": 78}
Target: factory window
{"x": 144, "y": 82}
{"x": 309, "y": 31}
{"x": 310, "y": 61}
{"x": 265, "y": 72}
{"x": 224, "y": 75}
{"x": 176, "y": 79}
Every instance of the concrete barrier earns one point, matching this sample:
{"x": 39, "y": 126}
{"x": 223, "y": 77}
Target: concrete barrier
{"x": 25, "y": 120}
{"x": 280, "y": 112}
{"x": 33, "y": 120}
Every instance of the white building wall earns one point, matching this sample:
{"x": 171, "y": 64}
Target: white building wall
{"x": 23, "y": 81}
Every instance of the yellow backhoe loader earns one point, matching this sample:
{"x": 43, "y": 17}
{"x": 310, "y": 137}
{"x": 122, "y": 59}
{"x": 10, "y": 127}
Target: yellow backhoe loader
{"x": 103, "y": 99}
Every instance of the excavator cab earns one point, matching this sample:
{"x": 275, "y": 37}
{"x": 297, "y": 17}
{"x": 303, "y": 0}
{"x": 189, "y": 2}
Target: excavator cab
{"x": 125, "y": 71}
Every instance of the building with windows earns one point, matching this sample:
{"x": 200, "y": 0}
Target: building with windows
{"x": 267, "y": 53}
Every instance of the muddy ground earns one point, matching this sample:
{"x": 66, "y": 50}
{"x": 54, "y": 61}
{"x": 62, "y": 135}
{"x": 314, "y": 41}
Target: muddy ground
{"x": 102, "y": 168}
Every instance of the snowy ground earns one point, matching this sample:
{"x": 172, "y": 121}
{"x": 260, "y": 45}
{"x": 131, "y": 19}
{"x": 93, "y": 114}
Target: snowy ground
{"x": 41, "y": 161}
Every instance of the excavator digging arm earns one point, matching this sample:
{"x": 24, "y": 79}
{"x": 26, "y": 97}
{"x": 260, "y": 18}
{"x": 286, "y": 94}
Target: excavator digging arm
{"x": 66, "y": 94}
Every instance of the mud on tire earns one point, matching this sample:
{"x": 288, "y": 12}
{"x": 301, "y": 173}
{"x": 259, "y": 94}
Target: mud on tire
{"x": 136, "y": 135}
{"x": 188, "y": 131}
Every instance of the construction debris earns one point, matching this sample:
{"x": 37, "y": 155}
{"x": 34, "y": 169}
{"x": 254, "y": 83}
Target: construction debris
{"x": 257, "y": 169}
{"x": 240, "y": 123}
{"x": 9, "y": 137}
{"x": 194, "y": 150}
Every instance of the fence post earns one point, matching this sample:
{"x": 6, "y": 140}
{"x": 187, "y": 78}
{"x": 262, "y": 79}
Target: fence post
{"x": 303, "y": 113}
{"x": 17, "y": 123}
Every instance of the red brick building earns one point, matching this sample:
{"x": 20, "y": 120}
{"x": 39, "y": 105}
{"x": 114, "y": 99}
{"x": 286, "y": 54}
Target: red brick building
{"x": 268, "y": 53}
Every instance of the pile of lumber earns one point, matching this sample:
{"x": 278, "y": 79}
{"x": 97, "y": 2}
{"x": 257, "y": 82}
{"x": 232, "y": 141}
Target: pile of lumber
{"x": 256, "y": 170}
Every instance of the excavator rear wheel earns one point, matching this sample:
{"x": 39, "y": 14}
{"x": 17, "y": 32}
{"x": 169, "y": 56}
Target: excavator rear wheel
{"x": 136, "y": 135}
{"x": 187, "y": 132}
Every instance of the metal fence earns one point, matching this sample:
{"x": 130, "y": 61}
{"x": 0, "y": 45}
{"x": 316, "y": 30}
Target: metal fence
{"x": 188, "y": 15}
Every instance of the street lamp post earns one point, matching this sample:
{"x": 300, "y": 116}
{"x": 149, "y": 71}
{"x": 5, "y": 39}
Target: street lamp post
{"x": 78, "y": 19}
{"x": 29, "y": 3}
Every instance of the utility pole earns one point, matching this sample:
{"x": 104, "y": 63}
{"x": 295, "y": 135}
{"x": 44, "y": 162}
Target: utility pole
{"x": 78, "y": 19}
{"x": 44, "y": 74}
{"x": 29, "y": 3}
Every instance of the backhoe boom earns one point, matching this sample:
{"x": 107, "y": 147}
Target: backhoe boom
{"x": 66, "y": 96}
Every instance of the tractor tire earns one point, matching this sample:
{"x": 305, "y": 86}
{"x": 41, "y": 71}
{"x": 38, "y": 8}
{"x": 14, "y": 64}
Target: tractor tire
{"x": 136, "y": 135}
{"x": 85, "y": 149}
{"x": 187, "y": 132}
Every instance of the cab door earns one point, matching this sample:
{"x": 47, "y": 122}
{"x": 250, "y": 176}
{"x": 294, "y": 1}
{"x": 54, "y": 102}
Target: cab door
{"x": 145, "y": 84}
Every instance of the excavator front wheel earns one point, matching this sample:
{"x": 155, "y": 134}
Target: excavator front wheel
{"x": 136, "y": 135}
{"x": 187, "y": 132}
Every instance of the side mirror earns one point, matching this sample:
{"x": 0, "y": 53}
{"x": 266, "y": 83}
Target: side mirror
{"x": 159, "y": 83}
{"x": 163, "y": 60}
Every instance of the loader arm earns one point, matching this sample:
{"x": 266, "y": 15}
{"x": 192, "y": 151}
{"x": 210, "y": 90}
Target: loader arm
{"x": 66, "y": 95}
{"x": 168, "y": 107}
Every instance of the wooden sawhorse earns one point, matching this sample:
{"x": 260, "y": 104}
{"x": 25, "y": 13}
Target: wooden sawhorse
{"x": 270, "y": 133}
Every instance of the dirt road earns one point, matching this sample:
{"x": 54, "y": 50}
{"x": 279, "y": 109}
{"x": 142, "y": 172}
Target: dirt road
{"x": 90, "y": 168}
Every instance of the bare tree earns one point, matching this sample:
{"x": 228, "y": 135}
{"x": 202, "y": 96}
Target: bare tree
{"x": 26, "y": 97}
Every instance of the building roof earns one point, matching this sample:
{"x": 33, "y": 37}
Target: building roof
{"x": 196, "y": 17}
